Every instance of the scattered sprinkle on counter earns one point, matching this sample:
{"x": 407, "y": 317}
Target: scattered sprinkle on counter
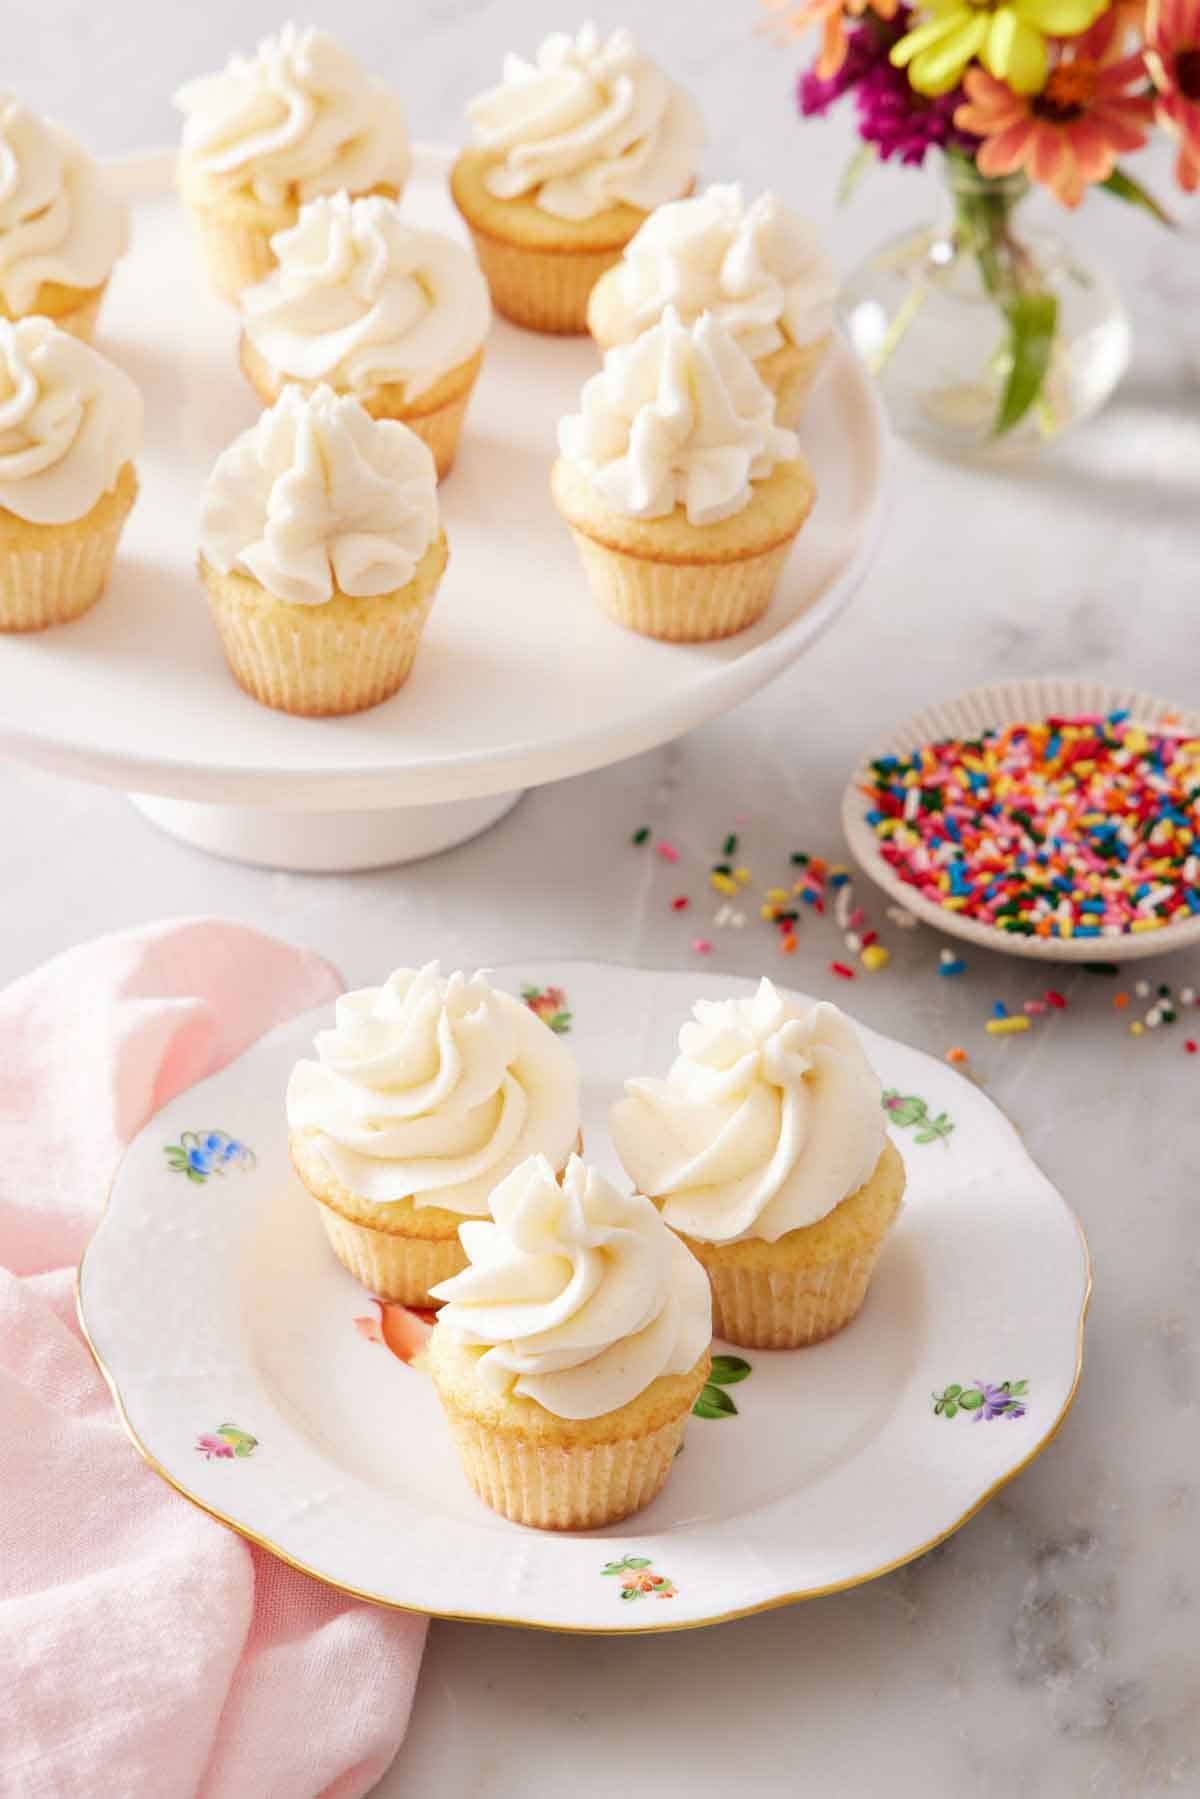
{"x": 1082, "y": 826}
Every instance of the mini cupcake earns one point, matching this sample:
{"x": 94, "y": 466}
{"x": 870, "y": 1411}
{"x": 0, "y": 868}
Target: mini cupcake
{"x": 297, "y": 119}
{"x": 61, "y": 230}
{"x": 570, "y": 154}
{"x": 70, "y": 427}
{"x": 760, "y": 269}
{"x": 570, "y": 1352}
{"x": 682, "y": 493}
{"x": 766, "y": 1149}
{"x": 378, "y": 309}
{"x": 321, "y": 552}
{"x": 426, "y": 1093}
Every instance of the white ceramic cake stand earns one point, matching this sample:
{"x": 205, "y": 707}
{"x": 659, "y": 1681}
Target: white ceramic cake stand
{"x": 520, "y": 679}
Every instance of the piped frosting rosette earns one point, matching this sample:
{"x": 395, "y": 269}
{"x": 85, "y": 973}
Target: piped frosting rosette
{"x": 58, "y": 221}
{"x": 678, "y": 418}
{"x": 579, "y": 1295}
{"x": 434, "y": 1088}
{"x": 768, "y": 1119}
{"x": 361, "y": 299}
{"x": 759, "y": 268}
{"x": 590, "y": 123}
{"x": 300, "y": 117}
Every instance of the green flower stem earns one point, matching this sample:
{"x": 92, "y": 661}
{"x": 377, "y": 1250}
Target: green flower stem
{"x": 983, "y": 213}
{"x": 899, "y": 327}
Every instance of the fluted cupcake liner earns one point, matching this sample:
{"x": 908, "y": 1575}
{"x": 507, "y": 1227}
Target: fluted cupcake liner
{"x": 320, "y": 661}
{"x": 61, "y": 573}
{"x": 680, "y": 602}
{"x": 768, "y": 1308}
{"x": 544, "y": 290}
{"x": 554, "y": 1486}
{"x": 390, "y": 1265}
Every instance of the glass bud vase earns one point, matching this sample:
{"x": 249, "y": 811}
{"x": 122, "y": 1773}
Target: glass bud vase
{"x": 985, "y": 333}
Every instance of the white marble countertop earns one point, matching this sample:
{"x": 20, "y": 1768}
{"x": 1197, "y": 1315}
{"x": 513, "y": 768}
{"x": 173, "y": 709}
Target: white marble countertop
{"x": 1050, "y": 1648}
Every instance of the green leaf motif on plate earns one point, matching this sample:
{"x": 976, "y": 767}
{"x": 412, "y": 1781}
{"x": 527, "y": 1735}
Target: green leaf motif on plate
{"x": 910, "y": 1112}
{"x": 726, "y": 1371}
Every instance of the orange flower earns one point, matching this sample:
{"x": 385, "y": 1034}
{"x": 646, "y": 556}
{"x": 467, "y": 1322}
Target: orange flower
{"x": 1173, "y": 55}
{"x": 1069, "y": 135}
{"x": 793, "y": 20}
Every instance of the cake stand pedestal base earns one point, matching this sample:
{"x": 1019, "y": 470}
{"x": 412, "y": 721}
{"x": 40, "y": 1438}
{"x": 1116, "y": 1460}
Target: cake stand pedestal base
{"x": 324, "y": 842}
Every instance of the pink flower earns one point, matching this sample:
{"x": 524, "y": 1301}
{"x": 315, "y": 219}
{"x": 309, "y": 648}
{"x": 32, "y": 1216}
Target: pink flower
{"x": 549, "y": 1001}
{"x": 1173, "y": 56}
{"x": 210, "y": 1447}
{"x": 1091, "y": 110}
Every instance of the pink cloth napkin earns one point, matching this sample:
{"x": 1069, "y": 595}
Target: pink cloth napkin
{"x": 145, "y": 1649}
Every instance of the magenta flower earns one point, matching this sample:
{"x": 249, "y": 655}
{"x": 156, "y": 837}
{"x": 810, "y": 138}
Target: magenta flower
{"x": 892, "y": 116}
{"x": 815, "y": 94}
{"x": 902, "y": 123}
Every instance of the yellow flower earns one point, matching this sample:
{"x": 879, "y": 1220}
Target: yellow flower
{"x": 1008, "y": 37}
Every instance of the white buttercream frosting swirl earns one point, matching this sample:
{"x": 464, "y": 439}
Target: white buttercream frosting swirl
{"x": 360, "y": 299}
{"x": 590, "y": 123}
{"x": 769, "y": 1118}
{"x": 580, "y": 1295}
{"x": 298, "y": 118}
{"x": 70, "y": 420}
{"x": 318, "y": 497}
{"x": 680, "y": 417}
{"x": 760, "y": 269}
{"x": 433, "y": 1088}
{"x": 58, "y": 221}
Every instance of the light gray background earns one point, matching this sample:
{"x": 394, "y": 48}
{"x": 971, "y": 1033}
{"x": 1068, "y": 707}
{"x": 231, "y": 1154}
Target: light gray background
{"x": 1051, "y": 1647}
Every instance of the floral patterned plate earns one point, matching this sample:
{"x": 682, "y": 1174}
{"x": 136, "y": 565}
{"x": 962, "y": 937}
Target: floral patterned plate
{"x": 261, "y": 1381}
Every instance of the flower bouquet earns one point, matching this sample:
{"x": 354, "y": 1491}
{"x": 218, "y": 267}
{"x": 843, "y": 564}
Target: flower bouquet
{"x": 978, "y": 327}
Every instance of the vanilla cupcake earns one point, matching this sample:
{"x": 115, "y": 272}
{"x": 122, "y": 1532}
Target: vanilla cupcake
{"x": 682, "y": 493}
{"x": 61, "y": 230}
{"x": 321, "y": 552}
{"x": 70, "y": 428}
{"x": 393, "y": 315}
{"x": 426, "y": 1092}
{"x": 570, "y": 153}
{"x": 298, "y": 118}
{"x": 766, "y": 1149}
{"x": 570, "y": 1351}
{"x": 760, "y": 269}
